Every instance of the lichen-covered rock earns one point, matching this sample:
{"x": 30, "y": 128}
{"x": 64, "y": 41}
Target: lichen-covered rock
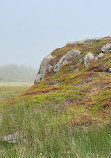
{"x": 87, "y": 41}
{"x": 12, "y": 138}
{"x": 109, "y": 70}
{"x": 43, "y": 68}
{"x": 64, "y": 60}
{"x": 88, "y": 58}
{"x": 99, "y": 56}
{"x": 106, "y": 48}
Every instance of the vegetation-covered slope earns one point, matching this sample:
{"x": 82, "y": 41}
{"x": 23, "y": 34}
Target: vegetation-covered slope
{"x": 66, "y": 113}
{"x": 77, "y": 85}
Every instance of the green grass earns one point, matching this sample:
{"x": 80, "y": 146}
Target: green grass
{"x": 9, "y": 90}
{"x": 45, "y": 134}
{"x": 54, "y": 129}
{"x": 47, "y": 130}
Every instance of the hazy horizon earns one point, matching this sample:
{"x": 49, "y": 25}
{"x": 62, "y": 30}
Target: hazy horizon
{"x": 20, "y": 65}
{"x": 15, "y": 73}
{"x": 30, "y": 30}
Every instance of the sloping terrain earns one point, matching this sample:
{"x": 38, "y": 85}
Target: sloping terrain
{"x": 77, "y": 75}
{"x": 67, "y": 112}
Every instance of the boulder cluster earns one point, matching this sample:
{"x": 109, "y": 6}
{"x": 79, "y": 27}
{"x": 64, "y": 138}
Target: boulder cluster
{"x": 66, "y": 59}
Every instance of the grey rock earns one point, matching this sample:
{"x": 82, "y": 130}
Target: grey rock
{"x": 99, "y": 56}
{"x": 64, "y": 60}
{"x": 87, "y": 41}
{"x": 43, "y": 68}
{"x": 56, "y": 84}
{"x": 108, "y": 37}
{"x": 88, "y": 58}
{"x": 90, "y": 41}
{"x": 106, "y": 48}
{"x": 75, "y": 70}
{"x": 109, "y": 70}
{"x": 12, "y": 138}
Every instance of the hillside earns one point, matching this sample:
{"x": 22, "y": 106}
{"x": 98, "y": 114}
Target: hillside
{"x": 79, "y": 74}
{"x": 15, "y": 73}
{"x": 67, "y": 112}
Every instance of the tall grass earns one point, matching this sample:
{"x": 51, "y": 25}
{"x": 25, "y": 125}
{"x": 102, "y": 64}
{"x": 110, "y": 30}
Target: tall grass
{"x": 45, "y": 135}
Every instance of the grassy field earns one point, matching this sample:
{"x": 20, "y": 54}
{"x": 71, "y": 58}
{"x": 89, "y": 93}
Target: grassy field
{"x": 9, "y": 90}
{"x": 46, "y": 135}
{"x": 45, "y": 132}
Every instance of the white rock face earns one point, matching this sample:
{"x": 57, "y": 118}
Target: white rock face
{"x": 64, "y": 60}
{"x": 87, "y": 41}
{"x": 99, "y": 56}
{"x": 109, "y": 70}
{"x": 106, "y": 48}
{"x": 46, "y": 66}
{"x": 88, "y": 58}
{"x": 43, "y": 68}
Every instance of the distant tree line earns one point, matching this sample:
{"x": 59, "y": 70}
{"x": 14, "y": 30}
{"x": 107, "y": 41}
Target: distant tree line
{"x": 15, "y": 73}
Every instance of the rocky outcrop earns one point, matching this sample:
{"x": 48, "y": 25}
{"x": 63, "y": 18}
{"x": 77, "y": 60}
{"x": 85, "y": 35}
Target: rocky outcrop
{"x": 78, "y": 47}
{"x": 88, "y": 58}
{"x": 45, "y": 65}
{"x": 87, "y": 41}
{"x": 90, "y": 41}
{"x": 106, "y": 48}
{"x": 65, "y": 59}
{"x": 99, "y": 56}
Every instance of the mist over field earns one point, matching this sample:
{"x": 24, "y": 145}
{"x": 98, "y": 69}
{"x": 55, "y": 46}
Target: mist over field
{"x": 15, "y": 73}
{"x": 55, "y": 79}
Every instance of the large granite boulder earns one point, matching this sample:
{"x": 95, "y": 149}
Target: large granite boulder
{"x": 45, "y": 65}
{"x": 109, "y": 70}
{"x": 88, "y": 58}
{"x": 99, "y": 56}
{"x": 65, "y": 59}
{"x": 106, "y": 48}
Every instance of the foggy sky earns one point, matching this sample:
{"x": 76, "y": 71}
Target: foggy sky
{"x": 31, "y": 29}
